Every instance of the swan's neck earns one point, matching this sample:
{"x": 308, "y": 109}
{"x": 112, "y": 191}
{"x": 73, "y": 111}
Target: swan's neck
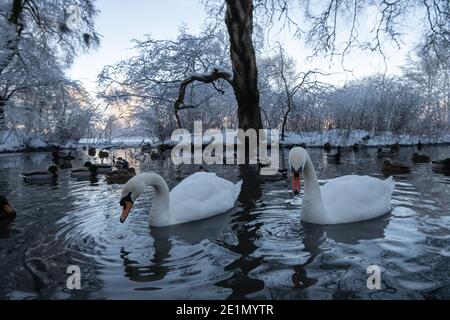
{"x": 312, "y": 204}
{"x": 160, "y": 212}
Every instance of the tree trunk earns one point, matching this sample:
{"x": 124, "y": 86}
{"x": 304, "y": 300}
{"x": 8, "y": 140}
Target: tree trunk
{"x": 12, "y": 40}
{"x": 239, "y": 21}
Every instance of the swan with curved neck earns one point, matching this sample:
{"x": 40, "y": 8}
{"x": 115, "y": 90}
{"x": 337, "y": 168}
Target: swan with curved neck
{"x": 344, "y": 199}
{"x": 199, "y": 196}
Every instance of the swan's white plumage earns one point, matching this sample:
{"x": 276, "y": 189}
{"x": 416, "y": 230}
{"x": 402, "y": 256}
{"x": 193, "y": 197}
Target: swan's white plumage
{"x": 202, "y": 195}
{"x": 356, "y": 198}
{"x": 199, "y": 196}
{"x": 344, "y": 199}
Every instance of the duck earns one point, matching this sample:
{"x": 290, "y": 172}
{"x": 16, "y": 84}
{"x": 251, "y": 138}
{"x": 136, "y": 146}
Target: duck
{"x": 419, "y": 145}
{"x": 273, "y": 174}
{"x": 381, "y": 153}
{"x": 391, "y": 167}
{"x": 395, "y": 147}
{"x": 345, "y": 199}
{"x": 336, "y": 156}
{"x": 120, "y": 176}
{"x": 121, "y": 163}
{"x": 199, "y": 196}
{"x": 103, "y": 168}
{"x": 6, "y": 210}
{"x": 88, "y": 170}
{"x": 442, "y": 166}
{"x": 355, "y": 147}
{"x": 327, "y": 147}
{"x": 420, "y": 158}
{"x": 40, "y": 175}
{"x": 65, "y": 164}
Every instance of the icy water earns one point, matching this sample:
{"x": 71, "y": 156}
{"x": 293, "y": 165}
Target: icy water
{"x": 261, "y": 250}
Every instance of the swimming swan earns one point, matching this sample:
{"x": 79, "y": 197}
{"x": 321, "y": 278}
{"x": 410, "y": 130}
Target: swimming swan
{"x": 199, "y": 196}
{"x": 341, "y": 200}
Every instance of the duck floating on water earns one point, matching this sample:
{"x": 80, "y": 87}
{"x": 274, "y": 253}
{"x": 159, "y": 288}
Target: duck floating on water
{"x": 88, "y": 170}
{"x": 120, "y": 176}
{"x": 6, "y": 210}
{"x": 442, "y": 166}
{"x": 121, "y": 163}
{"x": 391, "y": 167}
{"x": 381, "y": 153}
{"x": 420, "y": 158}
{"x": 336, "y": 156}
{"x": 40, "y": 175}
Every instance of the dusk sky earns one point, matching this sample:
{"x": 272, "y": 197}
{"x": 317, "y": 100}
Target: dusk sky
{"x": 119, "y": 22}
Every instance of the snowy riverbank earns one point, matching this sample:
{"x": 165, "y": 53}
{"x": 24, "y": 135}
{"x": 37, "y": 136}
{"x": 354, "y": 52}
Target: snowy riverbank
{"x": 10, "y": 143}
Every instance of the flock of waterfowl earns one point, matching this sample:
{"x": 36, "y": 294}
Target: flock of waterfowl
{"x": 390, "y": 166}
{"x": 204, "y": 194}
{"x": 117, "y": 172}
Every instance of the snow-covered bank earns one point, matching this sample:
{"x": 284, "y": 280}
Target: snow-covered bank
{"x": 341, "y": 138}
{"x": 311, "y": 139}
{"x": 10, "y": 143}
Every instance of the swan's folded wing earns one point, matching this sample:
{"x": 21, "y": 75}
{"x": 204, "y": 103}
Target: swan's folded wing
{"x": 202, "y": 195}
{"x": 357, "y": 198}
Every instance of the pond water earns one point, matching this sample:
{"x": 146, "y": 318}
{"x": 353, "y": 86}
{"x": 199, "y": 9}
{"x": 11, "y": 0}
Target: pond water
{"x": 260, "y": 250}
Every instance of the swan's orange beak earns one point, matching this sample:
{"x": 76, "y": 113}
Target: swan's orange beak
{"x": 296, "y": 184}
{"x": 127, "y": 205}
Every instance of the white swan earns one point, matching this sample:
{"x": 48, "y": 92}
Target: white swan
{"x": 342, "y": 200}
{"x": 199, "y": 196}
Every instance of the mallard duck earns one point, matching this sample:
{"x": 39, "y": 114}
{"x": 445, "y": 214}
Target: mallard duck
{"x": 395, "y": 147}
{"x": 120, "y": 176}
{"x": 327, "y": 147}
{"x": 391, "y": 167}
{"x": 420, "y": 158}
{"x": 272, "y": 174}
{"x": 442, "y": 166}
{"x": 88, "y": 170}
{"x": 419, "y": 145}
{"x": 382, "y": 153}
{"x": 6, "y": 210}
{"x": 41, "y": 176}
{"x": 103, "y": 168}
{"x": 65, "y": 164}
{"x": 121, "y": 163}
{"x": 336, "y": 156}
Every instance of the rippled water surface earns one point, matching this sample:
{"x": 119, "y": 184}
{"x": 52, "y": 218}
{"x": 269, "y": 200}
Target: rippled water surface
{"x": 260, "y": 250}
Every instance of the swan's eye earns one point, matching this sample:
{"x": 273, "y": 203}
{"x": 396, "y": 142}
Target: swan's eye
{"x": 126, "y": 198}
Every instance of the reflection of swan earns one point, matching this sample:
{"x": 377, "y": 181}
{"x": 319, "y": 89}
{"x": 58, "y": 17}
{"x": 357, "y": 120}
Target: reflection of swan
{"x": 156, "y": 268}
{"x": 315, "y": 235}
{"x": 199, "y": 196}
{"x": 342, "y": 200}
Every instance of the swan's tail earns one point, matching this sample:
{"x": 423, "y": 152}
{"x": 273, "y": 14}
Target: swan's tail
{"x": 237, "y": 190}
{"x": 391, "y": 183}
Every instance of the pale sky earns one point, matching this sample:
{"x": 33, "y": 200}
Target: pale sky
{"x": 119, "y": 22}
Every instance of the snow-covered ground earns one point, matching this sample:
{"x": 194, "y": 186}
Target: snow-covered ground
{"x": 10, "y": 143}
{"x": 337, "y": 137}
